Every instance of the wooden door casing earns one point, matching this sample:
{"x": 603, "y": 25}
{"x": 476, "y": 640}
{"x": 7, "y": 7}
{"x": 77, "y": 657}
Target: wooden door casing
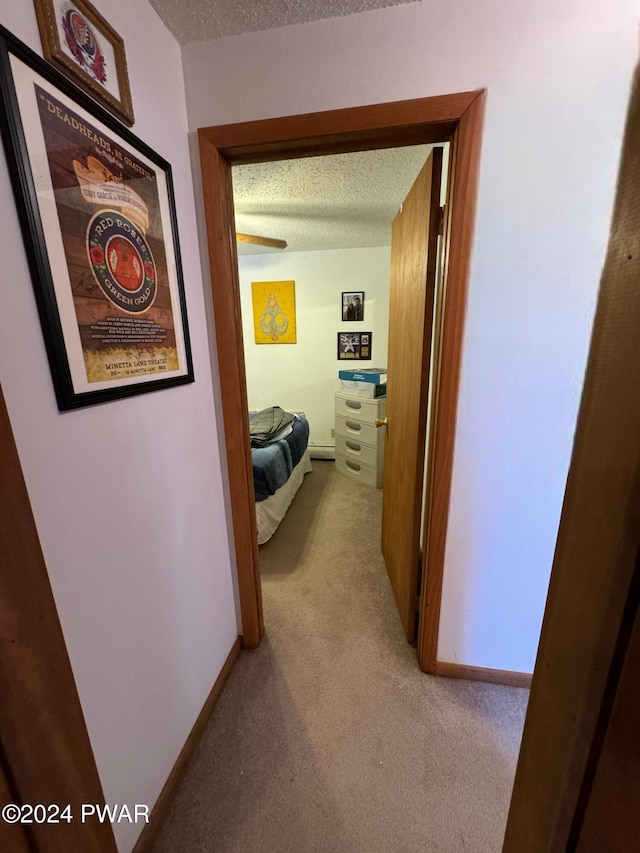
{"x": 455, "y": 118}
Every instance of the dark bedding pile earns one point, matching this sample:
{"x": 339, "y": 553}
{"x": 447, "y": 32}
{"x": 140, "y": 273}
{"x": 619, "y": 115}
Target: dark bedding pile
{"x": 274, "y": 462}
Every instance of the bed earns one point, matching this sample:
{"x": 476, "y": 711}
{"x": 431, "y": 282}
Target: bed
{"x": 279, "y": 467}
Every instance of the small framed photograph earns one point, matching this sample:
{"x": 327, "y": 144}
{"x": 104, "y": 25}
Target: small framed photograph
{"x": 84, "y": 46}
{"x": 353, "y": 306}
{"x": 99, "y": 224}
{"x": 354, "y": 346}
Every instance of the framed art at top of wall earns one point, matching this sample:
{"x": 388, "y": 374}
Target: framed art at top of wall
{"x": 83, "y": 45}
{"x": 98, "y": 219}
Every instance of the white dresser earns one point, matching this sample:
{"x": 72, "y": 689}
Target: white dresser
{"x": 359, "y": 443}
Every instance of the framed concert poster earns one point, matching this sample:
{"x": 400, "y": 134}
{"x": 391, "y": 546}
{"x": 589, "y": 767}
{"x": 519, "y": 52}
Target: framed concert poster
{"x": 98, "y": 219}
{"x": 83, "y": 45}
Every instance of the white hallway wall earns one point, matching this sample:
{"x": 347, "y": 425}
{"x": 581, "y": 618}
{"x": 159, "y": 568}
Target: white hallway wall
{"x": 305, "y": 375}
{"x": 127, "y": 496}
{"x": 558, "y": 75}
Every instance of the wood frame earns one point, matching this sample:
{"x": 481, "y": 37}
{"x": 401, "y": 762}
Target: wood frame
{"x": 52, "y": 48}
{"x": 456, "y": 118}
{"x": 594, "y": 590}
{"x": 464, "y": 165}
{"x": 67, "y": 279}
{"x": 45, "y": 752}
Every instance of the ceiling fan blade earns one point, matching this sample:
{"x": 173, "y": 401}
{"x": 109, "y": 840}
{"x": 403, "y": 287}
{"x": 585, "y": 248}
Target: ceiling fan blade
{"x": 261, "y": 241}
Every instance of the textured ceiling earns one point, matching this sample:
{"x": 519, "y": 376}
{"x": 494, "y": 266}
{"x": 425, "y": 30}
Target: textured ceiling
{"x": 344, "y": 201}
{"x": 202, "y": 20}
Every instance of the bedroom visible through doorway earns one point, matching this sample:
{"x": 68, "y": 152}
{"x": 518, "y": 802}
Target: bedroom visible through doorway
{"x": 313, "y": 230}
{"x": 456, "y": 118}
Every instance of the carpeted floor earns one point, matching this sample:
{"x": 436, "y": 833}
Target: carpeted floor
{"x": 328, "y": 737}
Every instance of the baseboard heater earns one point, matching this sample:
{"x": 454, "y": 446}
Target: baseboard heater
{"x": 322, "y": 451}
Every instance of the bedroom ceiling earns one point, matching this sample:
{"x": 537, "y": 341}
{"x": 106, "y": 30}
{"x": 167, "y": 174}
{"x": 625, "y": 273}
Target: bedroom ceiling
{"x": 344, "y": 201}
{"x": 202, "y": 20}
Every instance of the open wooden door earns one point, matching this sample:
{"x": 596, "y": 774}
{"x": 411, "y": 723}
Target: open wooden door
{"x": 414, "y": 238}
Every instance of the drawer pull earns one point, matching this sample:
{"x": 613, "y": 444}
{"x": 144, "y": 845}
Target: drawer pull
{"x": 353, "y": 445}
{"x": 353, "y": 465}
{"x": 353, "y": 425}
{"x": 353, "y": 404}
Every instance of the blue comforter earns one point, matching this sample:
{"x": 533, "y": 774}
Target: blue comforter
{"x": 273, "y": 464}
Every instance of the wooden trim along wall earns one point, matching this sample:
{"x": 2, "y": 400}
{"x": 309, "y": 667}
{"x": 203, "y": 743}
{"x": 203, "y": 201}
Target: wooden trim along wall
{"x": 480, "y": 673}
{"x": 456, "y": 118}
{"x": 45, "y": 753}
{"x": 460, "y": 218}
{"x": 223, "y": 262}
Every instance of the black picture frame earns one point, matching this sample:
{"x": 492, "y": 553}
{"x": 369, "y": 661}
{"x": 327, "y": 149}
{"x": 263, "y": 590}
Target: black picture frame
{"x": 110, "y": 294}
{"x": 355, "y": 346}
{"x": 352, "y": 306}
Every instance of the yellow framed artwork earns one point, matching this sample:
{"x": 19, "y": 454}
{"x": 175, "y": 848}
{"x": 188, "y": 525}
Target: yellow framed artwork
{"x": 274, "y": 311}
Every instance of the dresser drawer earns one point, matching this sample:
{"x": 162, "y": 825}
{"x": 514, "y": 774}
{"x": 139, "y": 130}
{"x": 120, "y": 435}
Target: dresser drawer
{"x": 358, "y": 472}
{"x": 358, "y": 431}
{"x": 360, "y": 408}
{"x": 366, "y": 454}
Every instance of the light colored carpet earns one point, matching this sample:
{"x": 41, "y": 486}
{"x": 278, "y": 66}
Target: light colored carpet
{"x": 328, "y": 737}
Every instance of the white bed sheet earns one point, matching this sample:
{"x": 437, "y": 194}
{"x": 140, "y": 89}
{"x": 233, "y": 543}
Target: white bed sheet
{"x": 270, "y": 512}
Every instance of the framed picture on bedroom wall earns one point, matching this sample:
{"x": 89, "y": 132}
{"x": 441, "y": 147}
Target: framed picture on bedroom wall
{"x": 353, "y": 305}
{"x": 274, "y": 312}
{"x": 99, "y": 225}
{"x": 354, "y": 346}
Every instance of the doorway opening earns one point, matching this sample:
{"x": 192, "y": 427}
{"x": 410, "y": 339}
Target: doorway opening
{"x": 456, "y": 119}
{"x": 329, "y": 221}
